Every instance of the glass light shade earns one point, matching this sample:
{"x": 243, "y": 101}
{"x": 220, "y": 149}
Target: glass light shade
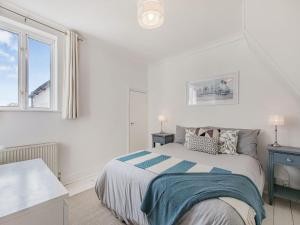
{"x": 162, "y": 118}
{"x": 151, "y": 13}
{"x": 277, "y": 120}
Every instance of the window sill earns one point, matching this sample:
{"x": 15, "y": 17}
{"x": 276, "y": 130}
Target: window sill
{"x": 29, "y": 110}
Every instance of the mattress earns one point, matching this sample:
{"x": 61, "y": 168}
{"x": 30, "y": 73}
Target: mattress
{"x": 121, "y": 187}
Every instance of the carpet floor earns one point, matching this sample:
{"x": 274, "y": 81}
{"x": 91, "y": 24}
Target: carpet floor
{"x": 86, "y": 209}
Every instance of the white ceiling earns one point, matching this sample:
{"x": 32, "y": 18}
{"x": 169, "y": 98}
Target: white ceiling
{"x": 188, "y": 23}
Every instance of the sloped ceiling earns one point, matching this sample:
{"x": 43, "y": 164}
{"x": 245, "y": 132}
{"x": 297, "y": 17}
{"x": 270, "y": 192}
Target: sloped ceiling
{"x": 275, "y": 26}
{"x": 188, "y": 24}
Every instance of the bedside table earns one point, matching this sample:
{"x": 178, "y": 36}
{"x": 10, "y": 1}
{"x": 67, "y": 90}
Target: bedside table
{"x": 162, "y": 138}
{"x": 288, "y": 156}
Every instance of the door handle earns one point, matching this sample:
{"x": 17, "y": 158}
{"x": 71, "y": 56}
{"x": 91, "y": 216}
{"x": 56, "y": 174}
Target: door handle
{"x": 289, "y": 160}
{"x": 131, "y": 123}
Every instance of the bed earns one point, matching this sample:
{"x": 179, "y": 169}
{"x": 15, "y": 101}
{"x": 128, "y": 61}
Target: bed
{"x": 121, "y": 187}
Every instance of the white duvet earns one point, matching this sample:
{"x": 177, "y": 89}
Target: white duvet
{"x": 121, "y": 187}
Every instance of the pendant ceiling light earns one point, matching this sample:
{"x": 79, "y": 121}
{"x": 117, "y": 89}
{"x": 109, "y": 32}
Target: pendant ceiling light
{"x": 151, "y": 13}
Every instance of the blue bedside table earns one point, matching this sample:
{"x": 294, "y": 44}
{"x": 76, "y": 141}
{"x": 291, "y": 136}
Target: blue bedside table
{"x": 282, "y": 155}
{"x": 162, "y": 138}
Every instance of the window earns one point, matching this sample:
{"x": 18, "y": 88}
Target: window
{"x": 27, "y": 69}
{"x": 39, "y": 74}
{"x": 9, "y": 61}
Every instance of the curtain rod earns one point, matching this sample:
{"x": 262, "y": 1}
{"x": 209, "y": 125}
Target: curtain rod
{"x": 36, "y": 21}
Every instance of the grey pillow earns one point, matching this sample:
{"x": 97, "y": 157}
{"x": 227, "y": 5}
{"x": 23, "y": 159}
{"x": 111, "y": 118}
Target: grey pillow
{"x": 247, "y": 141}
{"x": 180, "y": 135}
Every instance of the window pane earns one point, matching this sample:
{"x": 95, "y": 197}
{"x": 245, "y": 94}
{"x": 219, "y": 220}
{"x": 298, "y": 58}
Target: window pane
{"x": 39, "y": 70}
{"x": 9, "y": 61}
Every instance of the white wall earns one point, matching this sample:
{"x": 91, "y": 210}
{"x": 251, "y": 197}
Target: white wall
{"x": 262, "y": 93}
{"x": 101, "y": 132}
{"x": 274, "y": 24}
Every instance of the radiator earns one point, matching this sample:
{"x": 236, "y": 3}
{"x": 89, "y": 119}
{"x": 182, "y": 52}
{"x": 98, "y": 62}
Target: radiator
{"x": 47, "y": 152}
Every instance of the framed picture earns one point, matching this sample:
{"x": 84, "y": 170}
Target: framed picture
{"x": 222, "y": 89}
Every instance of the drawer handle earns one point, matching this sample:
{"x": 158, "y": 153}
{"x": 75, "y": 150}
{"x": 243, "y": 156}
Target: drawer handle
{"x": 289, "y": 160}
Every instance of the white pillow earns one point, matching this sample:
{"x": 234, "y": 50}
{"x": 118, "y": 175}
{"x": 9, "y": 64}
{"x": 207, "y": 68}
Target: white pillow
{"x": 228, "y": 142}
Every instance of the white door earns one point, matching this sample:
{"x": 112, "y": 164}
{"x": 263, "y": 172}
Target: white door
{"x": 138, "y": 129}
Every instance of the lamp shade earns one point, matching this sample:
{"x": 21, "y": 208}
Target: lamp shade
{"x": 276, "y": 120}
{"x": 151, "y": 13}
{"x": 162, "y": 118}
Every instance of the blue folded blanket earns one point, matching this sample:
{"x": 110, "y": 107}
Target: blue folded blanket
{"x": 170, "y": 196}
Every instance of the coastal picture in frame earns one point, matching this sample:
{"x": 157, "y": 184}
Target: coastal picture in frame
{"x": 223, "y": 89}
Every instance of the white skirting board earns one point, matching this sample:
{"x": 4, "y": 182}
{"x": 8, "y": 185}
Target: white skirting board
{"x": 82, "y": 185}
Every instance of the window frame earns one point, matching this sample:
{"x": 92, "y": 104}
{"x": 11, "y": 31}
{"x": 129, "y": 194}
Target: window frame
{"x": 26, "y": 32}
{"x": 12, "y": 29}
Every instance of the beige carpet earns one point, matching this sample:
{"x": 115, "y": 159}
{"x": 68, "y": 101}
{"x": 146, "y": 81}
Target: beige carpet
{"x": 86, "y": 209}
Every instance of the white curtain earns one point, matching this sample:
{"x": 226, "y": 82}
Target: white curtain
{"x": 70, "y": 83}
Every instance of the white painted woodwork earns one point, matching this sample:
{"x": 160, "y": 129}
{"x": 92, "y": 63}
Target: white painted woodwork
{"x": 30, "y": 194}
{"x": 138, "y": 129}
{"x": 82, "y": 185}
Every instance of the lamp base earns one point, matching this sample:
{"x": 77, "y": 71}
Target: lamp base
{"x": 276, "y": 139}
{"x": 276, "y": 145}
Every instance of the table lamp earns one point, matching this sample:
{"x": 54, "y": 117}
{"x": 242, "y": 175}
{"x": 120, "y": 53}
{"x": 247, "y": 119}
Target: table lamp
{"x": 276, "y": 120}
{"x": 162, "y": 119}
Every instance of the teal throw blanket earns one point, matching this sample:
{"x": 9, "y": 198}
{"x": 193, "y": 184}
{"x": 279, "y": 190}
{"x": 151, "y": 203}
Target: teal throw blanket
{"x": 170, "y": 196}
